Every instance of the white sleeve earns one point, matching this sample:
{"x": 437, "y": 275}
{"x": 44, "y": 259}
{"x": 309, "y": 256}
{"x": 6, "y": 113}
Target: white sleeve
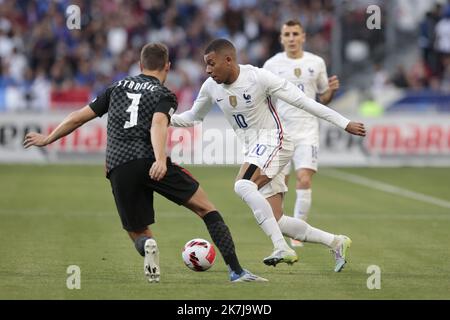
{"x": 322, "y": 80}
{"x": 269, "y": 66}
{"x": 288, "y": 92}
{"x": 202, "y": 105}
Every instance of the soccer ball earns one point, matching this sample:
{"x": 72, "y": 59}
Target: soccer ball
{"x": 198, "y": 254}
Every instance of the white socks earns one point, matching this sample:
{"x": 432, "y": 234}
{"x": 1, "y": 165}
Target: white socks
{"x": 302, "y": 204}
{"x": 291, "y": 227}
{"x": 300, "y": 230}
{"x": 248, "y": 191}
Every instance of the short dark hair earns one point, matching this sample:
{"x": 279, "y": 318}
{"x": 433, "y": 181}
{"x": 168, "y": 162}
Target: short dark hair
{"x": 154, "y": 56}
{"x": 293, "y": 22}
{"x": 221, "y": 45}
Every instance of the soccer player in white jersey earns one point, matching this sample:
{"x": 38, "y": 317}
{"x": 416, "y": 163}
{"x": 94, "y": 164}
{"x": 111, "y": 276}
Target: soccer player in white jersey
{"x": 308, "y": 72}
{"x": 244, "y": 93}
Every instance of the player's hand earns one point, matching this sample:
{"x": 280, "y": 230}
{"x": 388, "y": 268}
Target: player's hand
{"x": 356, "y": 128}
{"x": 158, "y": 170}
{"x": 34, "y": 139}
{"x": 333, "y": 83}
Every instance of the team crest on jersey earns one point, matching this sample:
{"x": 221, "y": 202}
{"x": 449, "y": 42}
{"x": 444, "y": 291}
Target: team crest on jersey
{"x": 233, "y": 101}
{"x": 297, "y": 72}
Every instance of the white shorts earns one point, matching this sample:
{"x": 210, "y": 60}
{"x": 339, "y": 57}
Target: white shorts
{"x": 270, "y": 158}
{"x": 276, "y": 185}
{"x": 305, "y": 157}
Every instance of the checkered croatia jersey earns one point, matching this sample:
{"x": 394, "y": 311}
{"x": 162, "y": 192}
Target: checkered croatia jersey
{"x": 130, "y": 104}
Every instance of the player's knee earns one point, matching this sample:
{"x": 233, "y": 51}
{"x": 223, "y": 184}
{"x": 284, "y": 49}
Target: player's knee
{"x": 243, "y": 187}
{"x": 199, "y": 203}
{"x": 282, "y": 222}
{"x": 304, "y": 182}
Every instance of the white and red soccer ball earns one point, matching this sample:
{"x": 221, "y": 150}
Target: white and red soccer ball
{"x": 198, "y": 254}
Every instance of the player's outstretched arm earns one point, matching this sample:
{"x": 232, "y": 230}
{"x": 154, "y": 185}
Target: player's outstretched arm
{"x": 191, "y": 117}
{"x": 202, "y": 105}
{"x": 286, "y": 91}
{"x": 70, "y": 123}
{"x": 184, "y": 119}
{"x": 323, "y": 112}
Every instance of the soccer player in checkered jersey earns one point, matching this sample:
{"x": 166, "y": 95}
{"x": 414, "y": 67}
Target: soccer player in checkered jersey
{"x": 139, "y": 110}
{"x": 244, "y": 93}
{"x": 308, "y": 72}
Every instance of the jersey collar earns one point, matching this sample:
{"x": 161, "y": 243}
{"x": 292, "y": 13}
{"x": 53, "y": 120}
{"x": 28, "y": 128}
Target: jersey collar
{"x": 149, "y": 77}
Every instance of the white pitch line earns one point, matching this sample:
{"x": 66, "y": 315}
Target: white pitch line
{"x": 374, "y": 184}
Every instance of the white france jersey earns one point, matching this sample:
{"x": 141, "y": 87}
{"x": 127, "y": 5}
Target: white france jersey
{"x": 309, "y": 73}
{"x": 247, "y": 106}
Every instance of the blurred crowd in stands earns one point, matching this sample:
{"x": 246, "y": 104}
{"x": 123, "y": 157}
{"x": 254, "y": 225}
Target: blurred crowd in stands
{"x": 431, "y": 70}
{"x": 39, "y": 53}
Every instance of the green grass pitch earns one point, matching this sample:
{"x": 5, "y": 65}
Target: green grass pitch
{"x": 55, "y": 216}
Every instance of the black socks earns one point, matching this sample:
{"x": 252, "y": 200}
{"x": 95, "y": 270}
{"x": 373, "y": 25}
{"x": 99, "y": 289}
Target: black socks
{"x": 221, "y": 236}
{"x": 139, "y": 243}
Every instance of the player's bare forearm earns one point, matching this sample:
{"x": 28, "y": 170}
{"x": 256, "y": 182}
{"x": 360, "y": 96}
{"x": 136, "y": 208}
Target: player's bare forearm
{"x": 158, "y": 134}
{"x": 333, "y": 86}
{"x": 68, "y": 125}
{"x": 159, "y": 137}
{"x": 356, "y": 128}
{"x": 327, "y": 97}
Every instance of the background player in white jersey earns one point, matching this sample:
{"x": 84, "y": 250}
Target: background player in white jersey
{"x": 308, "y": 72}
{"x": 244, "y": 93}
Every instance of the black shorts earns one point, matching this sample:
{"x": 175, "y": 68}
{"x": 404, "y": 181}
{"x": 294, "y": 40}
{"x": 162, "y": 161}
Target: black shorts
{"x": 133, "y": 190}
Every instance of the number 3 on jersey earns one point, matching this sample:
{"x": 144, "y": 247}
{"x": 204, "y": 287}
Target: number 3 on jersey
{"x": 133, "y": 109}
